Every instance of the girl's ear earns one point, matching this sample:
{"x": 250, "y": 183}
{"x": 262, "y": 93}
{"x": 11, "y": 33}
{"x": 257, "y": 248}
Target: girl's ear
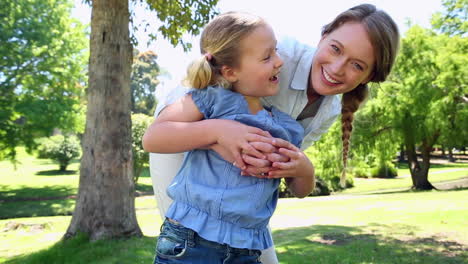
{"x": 368, "y": 79}
{"x": 229, "y": 74}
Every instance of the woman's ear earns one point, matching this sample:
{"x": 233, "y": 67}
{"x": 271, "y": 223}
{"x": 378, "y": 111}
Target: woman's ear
{"x": 229, "y": 74}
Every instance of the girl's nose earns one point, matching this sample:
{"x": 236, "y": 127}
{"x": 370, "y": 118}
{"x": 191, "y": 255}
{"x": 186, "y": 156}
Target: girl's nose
{"x": 279, "y": 61}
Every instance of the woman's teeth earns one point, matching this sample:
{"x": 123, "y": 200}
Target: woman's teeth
{"x": 328, "y": 78}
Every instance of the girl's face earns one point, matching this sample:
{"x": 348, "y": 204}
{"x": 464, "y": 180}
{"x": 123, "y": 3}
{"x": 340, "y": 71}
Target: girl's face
{"x": 259, "y": 64}
{"x": 343, "y": 60}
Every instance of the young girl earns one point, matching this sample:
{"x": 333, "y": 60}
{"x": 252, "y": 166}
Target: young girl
{"x": 219, "y": 215}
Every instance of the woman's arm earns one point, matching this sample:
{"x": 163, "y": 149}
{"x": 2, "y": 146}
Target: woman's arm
{"x": 179, "y": 127}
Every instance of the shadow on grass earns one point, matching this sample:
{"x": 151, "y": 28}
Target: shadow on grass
{"x": 56, "y": 172}
{"x": 374, "y": 243}
{"x": 145, "y": 189}
{"x": 36, "y": 208}
{"x": 27, "y": 193}
{"x": 24, "y": 201}
{"x": 81, "y": 250}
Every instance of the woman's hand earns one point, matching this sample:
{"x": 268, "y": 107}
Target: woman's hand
{"x": 260, "y": 167}
{"x": 235, "y": 140}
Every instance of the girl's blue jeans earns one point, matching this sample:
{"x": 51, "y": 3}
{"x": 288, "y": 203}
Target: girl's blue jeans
{"x": 178, "y": 244}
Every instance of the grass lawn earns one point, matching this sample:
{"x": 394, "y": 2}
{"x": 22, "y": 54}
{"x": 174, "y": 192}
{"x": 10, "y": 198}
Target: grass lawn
{"x": 352, "y": 227}
{"x": 418, "y": 227}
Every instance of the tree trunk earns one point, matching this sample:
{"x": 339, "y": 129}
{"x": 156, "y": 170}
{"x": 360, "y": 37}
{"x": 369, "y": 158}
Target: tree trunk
{"x": 450, "y": 155}
{"x": 401, "y": 158}
{"x": 419, "y": 172}
{"x": 105, "y": 205}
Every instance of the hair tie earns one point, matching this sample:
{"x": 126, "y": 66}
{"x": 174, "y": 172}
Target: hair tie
{"x": 208, "y": 56}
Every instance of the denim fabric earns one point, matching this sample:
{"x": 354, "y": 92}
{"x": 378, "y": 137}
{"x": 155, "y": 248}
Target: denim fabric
{"x": 177, "y": 244}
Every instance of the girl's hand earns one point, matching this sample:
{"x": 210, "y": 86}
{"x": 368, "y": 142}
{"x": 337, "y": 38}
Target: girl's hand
{"x": 235, "y": 139}
{"x": 292, "y": 162}
{"x": 298, "y": 171}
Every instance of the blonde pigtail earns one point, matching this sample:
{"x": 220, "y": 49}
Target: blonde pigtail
{"x": 199, "y": 73}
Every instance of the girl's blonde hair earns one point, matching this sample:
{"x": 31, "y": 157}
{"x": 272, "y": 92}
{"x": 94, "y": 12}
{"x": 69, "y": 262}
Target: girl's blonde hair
{"x": 220, "y": 46}
{"x": 385, "y": 38}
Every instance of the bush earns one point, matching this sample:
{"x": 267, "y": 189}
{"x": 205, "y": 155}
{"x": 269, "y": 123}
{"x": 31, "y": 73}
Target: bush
{"x": 59, "y": 149}
{"x": 385, "y": 170}
{"x": 321, "y": 188}
{"x": 283, "y": 190}
{"x": 140, "y": 123}
{"x": 361, "y": 172}
{"x": 335, "y": 183}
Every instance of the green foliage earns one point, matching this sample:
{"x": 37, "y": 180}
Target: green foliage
{"x": 145, "y": 71}
{"x": 359, "y": 168}
{"x": 181, "y": 17}
{"x": 453, "y": 79}
{"x": 41, "y": 71}
{"x": 326, "y": 155}
{"x": 60, "y": 149}
{"x": 454, "y": 19}
{"x": 140, "y": 123}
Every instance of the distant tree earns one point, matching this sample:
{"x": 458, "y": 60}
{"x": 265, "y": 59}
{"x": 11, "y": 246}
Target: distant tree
{"x": 105, "y": 206}
{"x": 423, "y": 98}
{"x": 375, "y": 142}
{"x": 61, "y": 149}
{"x": 144, "y": 79}
{"x": 42, "y": 71}
{"x": 453, "y": 21}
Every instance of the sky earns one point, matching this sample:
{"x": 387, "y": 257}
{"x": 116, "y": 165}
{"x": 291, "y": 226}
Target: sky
{"x": 301, "y": 19}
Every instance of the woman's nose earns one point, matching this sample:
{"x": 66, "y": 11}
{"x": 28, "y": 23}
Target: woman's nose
{"x": 338, "y": 66}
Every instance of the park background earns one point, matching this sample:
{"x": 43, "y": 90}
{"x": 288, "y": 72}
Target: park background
{"x": 389, "y": 212}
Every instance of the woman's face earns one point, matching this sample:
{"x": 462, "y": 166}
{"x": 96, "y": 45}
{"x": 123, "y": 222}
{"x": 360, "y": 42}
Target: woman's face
{"x": 343, "y": 60}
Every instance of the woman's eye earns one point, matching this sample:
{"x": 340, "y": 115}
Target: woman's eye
{"x": 335, "y": 48}
{"x": 267, "y": 58}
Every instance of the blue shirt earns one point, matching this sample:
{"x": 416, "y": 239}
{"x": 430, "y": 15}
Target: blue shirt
{"x": 211, "y": 196}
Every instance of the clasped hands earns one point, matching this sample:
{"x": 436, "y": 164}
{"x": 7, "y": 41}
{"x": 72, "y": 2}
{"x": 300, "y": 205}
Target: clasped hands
{"x": 259, "y": 154}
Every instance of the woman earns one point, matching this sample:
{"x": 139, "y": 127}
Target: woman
{"x": 357, "y": 47}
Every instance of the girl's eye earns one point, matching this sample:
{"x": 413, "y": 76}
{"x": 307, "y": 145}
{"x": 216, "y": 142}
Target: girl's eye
{"x": 267, "y": 58}
{"x": 358, "y": 66}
